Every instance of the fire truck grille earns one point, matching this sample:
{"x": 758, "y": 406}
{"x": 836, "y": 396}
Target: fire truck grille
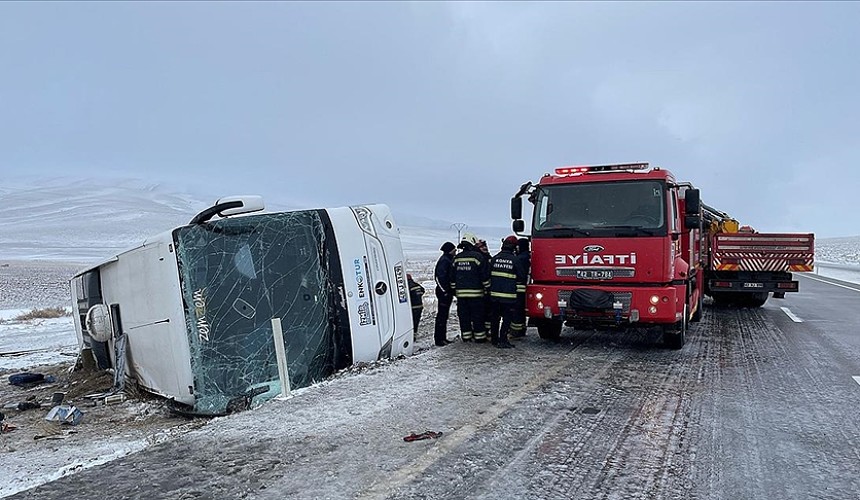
{"x": 624, "y": 297}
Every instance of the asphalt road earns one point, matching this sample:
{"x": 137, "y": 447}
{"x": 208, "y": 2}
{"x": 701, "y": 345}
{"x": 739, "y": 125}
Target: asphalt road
{"x": 760, "y": 404}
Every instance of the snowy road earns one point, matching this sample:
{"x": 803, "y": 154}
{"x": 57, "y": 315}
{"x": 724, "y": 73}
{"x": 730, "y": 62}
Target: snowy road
{"x": 756, "y": 406}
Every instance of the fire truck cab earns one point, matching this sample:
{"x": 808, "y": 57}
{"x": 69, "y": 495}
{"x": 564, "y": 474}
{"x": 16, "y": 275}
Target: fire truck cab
{"x": 613, "y": 245}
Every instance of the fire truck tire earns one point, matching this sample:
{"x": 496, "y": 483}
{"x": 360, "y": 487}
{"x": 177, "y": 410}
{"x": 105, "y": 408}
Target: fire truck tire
{"x": 697, "y": 316}
{"x": 722, "y": 298}
{"x": 756, "y": 299}
{"x": 549, "y": 329}
{"x": 675, "y": 335}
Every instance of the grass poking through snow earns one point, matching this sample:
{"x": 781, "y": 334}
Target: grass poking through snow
{"x": 44, "y": 313}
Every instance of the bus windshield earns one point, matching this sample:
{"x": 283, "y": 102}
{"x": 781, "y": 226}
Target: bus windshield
{"x": 629, "y": 208}
{"x": 236, "y": 275}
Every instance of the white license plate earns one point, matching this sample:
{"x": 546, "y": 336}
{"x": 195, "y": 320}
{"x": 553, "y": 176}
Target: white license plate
{"x": 590, "y": 274}
{"x": 753, "y": 285}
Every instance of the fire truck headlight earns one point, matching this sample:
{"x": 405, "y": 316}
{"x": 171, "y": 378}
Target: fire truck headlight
{"x": 655, "y": 299}
{"x": 539, "y": 296}
{"x": 652, "y": 309}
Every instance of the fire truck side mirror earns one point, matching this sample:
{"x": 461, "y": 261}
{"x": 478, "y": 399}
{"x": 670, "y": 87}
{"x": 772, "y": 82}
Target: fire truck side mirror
{"x": 518, "y": 226}
{"x": 516, "y": 208}
{"x": 692, "y": 208}
{"x": 692, "y": 202}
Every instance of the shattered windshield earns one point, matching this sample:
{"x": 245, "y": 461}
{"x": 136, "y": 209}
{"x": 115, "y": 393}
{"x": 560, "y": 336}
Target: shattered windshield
{"x": 601, "y": 208}
{"x": 239, "y": 273}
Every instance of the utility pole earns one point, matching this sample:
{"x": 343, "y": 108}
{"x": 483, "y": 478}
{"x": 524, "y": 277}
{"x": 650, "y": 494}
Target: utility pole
{"x": 460, "y": 227}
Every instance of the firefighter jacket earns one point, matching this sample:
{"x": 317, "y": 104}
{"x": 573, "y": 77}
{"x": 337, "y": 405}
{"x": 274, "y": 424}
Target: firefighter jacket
{"x": 525, "y": 260}
{"x": 471, "y": 274}
{"x": 416, "y": 295}
{"x": 507, "y": 277}
{"x": 444, "y": 273}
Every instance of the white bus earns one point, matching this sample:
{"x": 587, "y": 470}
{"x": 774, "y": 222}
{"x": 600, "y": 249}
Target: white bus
{"x": 194, "y": 305}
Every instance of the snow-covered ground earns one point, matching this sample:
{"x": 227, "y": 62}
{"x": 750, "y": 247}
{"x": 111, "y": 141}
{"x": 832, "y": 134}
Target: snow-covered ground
{"x": 35, "y": 342}
{"x": 838, "y": 258}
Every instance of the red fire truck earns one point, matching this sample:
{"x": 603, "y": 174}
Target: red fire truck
{"x": 627, "y": 244}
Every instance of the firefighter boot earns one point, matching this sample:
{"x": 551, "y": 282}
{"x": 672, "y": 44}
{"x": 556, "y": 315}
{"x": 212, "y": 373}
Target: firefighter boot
{"x": 502, "y": 342}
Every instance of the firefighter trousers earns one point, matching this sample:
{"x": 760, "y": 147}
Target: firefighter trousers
{"x": 518, "y": 319}
{"x": 501, "y": 312}
{"x": 471, "y": 312}
{"x": 443, "y": 310}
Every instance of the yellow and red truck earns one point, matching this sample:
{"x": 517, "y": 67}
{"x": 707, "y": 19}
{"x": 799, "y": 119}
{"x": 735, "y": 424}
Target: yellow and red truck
{"x": 628, "y": 244}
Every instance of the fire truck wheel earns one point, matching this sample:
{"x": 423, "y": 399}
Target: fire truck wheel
{"x": 756, "y": 299}
{"x": 697, "y": 316}
{"x": 722, "y": 299}
{"x": 549, "y": 329}
{"x": 675, "y": 335}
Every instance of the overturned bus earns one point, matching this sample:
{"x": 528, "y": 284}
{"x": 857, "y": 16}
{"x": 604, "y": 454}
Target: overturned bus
{"x": 193, "y": 307}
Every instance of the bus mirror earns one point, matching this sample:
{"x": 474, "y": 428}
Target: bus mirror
{"x": 231, "y": 205}
{"x": 516, "y": 208}
{"x": 250, "y": 203}
{"x": 692, "y": 203}
{"x": 518, "y": 226}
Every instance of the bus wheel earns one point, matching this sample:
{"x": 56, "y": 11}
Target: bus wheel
{"x": 549, "y": 329}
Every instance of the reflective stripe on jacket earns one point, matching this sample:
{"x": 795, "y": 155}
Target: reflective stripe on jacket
{"x": 416, "y": 295}
{"x": 507, "y": 277}
{"x": 471, "y": 275}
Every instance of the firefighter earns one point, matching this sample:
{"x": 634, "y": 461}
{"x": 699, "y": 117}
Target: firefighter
{"x": 524, "y": 257}
{"x": 416, "y": 297}
{"x": 506, "y": 276}
{"x": 444, "y": 275}
{"x": 485, "y": 254}
{"x": 471, "y": 279}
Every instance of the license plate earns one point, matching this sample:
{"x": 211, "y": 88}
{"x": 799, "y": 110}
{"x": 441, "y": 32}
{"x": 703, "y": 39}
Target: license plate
{"x": 753, "y": 285}
{"x": 591, "y": 274}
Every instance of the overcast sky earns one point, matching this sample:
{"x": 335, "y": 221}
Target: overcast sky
{"x": 441, "y": 110}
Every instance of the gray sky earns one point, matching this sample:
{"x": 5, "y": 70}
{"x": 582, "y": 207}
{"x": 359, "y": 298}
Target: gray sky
{"x": 441, "y": 110}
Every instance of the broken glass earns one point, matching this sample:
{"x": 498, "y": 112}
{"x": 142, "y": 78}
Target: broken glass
{"x": 236, "y": 275}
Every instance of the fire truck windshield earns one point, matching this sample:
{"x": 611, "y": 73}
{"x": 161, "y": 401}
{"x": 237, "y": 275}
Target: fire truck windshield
{"x": 628, "y": 208}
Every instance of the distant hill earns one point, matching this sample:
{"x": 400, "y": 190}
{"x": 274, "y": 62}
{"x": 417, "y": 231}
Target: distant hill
{"x": 86, "y": 220}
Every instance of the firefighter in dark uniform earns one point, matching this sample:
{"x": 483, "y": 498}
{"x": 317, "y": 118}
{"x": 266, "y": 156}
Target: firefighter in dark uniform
{"x": 443, "y": 275}
{"x": 524, "y": 257}
{"x": 485, "y": 253}
{"x": 471, "y": 279}
{"x": 506, "y": 276}
{"x": 416, "y": 297}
